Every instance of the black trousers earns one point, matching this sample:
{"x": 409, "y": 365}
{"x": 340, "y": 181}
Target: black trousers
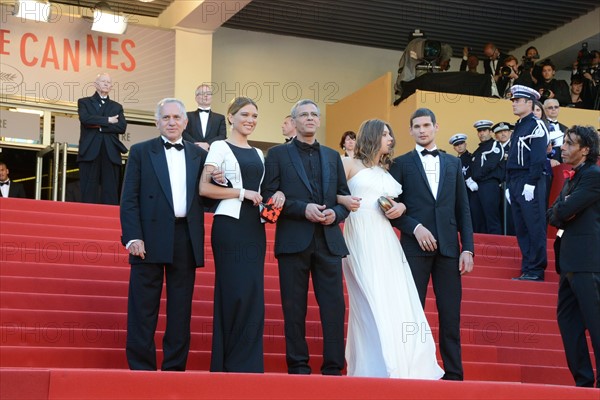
{"x": 99, "y": 180}
{"x": 145, "y": 287}
{"x": 578, "y": 310}
{"x": 326, "y": 271}
{"x": 486, "y": 207}
{"x": 529, "y": 218}
{"x": 447, "y": 286}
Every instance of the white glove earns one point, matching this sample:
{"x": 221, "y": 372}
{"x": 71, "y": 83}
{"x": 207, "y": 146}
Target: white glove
{"x": 507, "y": 195}
{"x": 528, "y": 192}
{"x": 471, "y": 184}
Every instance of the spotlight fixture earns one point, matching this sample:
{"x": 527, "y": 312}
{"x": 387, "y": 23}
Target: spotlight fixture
{"x": 107, "y": 21}
{"x": 34, "y": 10}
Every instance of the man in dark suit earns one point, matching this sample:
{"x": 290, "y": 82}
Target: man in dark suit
{"x": 204, "y": 125}
{"x": 308, "y": 239}
{"x": 100, "y": 149}
{"x": 9, "y": 188}
{"x": 162, "y": 220}
{"x": 437, "y": 210}
{"x": 494, "y": 61}
{"x": 576, "y": 213}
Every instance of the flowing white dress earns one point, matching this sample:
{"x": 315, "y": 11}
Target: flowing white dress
{"x": 388, "y": 333}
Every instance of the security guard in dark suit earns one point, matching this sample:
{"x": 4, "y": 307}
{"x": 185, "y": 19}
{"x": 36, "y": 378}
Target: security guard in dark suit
{"x": 485, "y": 181}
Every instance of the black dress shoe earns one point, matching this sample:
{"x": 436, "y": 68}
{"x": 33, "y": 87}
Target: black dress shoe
{"x": 527, "y": 277}
{"x": 518, "y": 278}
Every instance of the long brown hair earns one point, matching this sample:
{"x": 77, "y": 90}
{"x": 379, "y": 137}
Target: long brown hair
{"x": 368, "y": 143}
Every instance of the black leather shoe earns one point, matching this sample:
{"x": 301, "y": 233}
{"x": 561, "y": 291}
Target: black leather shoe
{"x": 518, "y": 278}
{"x": 527, "y": 277}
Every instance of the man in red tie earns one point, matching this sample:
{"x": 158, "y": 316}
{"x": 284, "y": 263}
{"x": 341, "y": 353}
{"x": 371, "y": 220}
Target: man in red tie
{"x": 576, "y": 213}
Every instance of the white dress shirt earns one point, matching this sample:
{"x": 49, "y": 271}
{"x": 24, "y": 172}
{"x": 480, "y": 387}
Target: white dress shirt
{"x": 431, "y": 165}
{"x": 177, "y": 178}
{"x": 4, "y": 189}
{"x": 204, "y": 119}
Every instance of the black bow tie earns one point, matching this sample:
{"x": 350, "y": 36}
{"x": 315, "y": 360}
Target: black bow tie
{"x": 4, "y": 183}
{"x": 206, "y": 111}
{"x": 177, "y": 146}
{"x": 434, "y": 153}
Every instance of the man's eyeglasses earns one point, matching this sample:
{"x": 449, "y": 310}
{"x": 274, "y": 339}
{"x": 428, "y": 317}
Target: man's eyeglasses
{"x": 552, "y": 108}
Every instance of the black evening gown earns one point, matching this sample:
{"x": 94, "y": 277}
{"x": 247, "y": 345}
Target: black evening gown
{"x": 239, "y": 254}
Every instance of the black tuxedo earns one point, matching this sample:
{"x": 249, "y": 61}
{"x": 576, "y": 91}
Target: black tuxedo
{"x": 173, "y": 246}
{"x": 16, "y": 189}
{"x": 215, "y": 128}
{"x": 445, "y": 217}
{"x": 304, "y": 248}
{"x": 487, "y": 65}
{"x": 100, "y": 149}
{"x": 577, "y": 211}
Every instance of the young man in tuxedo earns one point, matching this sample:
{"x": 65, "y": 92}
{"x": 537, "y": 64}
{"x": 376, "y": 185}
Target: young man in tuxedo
{"x": 576, "y": 213}
{"x": 9, "y": 188}
{"x": 99, "y": 157}
{"x": 162, "y": 220}
{"x": 308, "y": 239}
{"x": 204, "y": 125}
{"x": 437, "y": 210}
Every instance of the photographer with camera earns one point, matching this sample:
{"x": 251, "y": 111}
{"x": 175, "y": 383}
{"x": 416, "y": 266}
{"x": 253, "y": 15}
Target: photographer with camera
{"x": 551, "y": 88}
{"x": 528, "y": 64}
{"x": 510, "y": 75}
{"x": 586, "y": 69}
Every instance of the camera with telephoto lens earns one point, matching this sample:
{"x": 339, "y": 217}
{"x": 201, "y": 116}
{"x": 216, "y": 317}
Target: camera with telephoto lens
{"x": 584, "y": 59}
{"x": 506, "y": 71}
{"x": 528, "y": 62}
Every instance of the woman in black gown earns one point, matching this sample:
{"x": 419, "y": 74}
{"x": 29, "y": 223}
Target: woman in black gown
{"x": 238, "y": 243}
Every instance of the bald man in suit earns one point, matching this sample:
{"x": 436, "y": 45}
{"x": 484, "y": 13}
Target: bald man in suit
{"x": 204, "y": 125}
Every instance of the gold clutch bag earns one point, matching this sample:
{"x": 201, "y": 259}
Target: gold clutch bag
{"x": 384, "y": 203}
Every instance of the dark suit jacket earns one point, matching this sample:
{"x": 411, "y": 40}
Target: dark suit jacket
{"x": 487, "y": 64}
{"x": 16, "y": 189}
{"x": 96, "y": 130}
{"x": 284, "y": 171}
{"x": 147, "y": 202}
{"x": 577, "y": 211}
{"x": 215, "y": 128}
{"x": 559, "y": 87}
{"x": 445, "y": 217}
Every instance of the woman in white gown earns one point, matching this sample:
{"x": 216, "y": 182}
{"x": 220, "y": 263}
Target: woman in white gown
{"x": 388, "y": 333}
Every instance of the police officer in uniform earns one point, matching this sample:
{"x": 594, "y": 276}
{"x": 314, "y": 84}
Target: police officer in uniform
{"x": 459, "y": 143}
{"x": 502, "y": 133}
{"x": 527, "y": 184}
{"x": 485, "y": 181}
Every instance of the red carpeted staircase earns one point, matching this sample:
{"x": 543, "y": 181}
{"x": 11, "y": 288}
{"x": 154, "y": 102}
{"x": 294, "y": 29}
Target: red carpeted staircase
{"x": 63, "y": 300}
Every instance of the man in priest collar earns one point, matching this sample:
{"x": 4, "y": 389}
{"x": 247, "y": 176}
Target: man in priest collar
{"x": 204, "y": 125}
{"x": 99, "y": 156}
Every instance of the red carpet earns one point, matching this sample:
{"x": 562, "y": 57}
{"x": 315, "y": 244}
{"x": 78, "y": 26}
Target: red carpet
{"x": 63, "y": 293}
